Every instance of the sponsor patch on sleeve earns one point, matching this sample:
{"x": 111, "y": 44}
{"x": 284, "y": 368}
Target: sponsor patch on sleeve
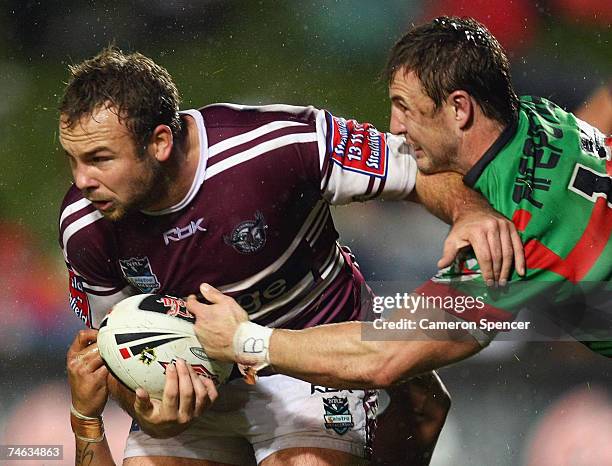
{"x": 358, "y": 147}
{"x": 79, "y": 303}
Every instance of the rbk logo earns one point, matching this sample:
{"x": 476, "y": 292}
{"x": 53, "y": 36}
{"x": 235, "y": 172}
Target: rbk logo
{"x": 179, "y": 233}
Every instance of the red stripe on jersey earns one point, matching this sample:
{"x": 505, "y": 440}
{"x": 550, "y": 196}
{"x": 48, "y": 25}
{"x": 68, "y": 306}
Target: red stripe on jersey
{"x": 472, "y": 314}
{"x": 125, "y": 353}
{"x": 521, "y": 219}
{"x": 583, "y": 255}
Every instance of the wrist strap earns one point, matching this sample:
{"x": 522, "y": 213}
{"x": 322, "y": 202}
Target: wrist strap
{"x": 91, "y": 431}
{"x": 251, "y": 345}
{"x": 78, "y": 415}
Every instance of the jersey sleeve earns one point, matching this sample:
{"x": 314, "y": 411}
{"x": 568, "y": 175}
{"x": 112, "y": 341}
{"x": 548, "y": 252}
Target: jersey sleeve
{"x": 87, "y": 244}
{"x": 358, "y": 163}
{"x": 561, "y": 307}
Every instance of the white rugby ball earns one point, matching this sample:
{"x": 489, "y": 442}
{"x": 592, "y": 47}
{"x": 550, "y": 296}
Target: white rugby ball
{"x": 142, "y": 334}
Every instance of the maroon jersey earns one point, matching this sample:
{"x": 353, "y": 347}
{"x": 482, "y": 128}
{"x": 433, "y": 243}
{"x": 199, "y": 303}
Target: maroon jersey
{"x": 255, "y": 223}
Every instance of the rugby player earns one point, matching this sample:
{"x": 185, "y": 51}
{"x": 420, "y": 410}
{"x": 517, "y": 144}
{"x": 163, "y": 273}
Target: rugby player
{"x": 452, "y": 98}
{"x": 239, "y": 197}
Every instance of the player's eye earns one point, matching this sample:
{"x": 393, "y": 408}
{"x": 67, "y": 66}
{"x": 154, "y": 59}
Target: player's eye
{"x": 100, "y": 159}
{"x": 401, "y": 106}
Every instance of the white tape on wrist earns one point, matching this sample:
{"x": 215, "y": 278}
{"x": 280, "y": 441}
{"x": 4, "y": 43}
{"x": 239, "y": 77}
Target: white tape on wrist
{"x": 251, "y": 345}
{"x": 78, "y": 415}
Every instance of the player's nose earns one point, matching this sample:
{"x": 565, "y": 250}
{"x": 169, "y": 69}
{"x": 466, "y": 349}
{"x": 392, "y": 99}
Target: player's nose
{"x": 396, "y": 123}
{"x": 83, "y": 179}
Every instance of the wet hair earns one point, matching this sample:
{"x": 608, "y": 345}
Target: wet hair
{"x": 449, "y": 54}
{"x": 141, "y": 92}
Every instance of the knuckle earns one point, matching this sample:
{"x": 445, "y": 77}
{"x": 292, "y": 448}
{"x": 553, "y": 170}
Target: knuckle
{"x": 491, "y": 223}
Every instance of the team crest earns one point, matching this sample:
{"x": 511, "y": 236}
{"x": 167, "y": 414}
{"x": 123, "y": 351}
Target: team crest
{"x": 137, "y": 271}
{"x": 249, "y": 236}
{"x": 337, "y": 415}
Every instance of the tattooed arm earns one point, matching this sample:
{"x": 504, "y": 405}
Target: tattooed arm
{"x": 93, "y": 454}
{"x": 87, "y": 377}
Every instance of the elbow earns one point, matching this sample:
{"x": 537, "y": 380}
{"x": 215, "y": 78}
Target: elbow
{"x": 389, "y": 371}
{"x": 383, "y": 379}
{"x": 387, "y": 377}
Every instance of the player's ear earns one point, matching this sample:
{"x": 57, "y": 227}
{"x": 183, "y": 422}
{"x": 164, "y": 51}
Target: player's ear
{"x": 161, "y": 142}
{"x": 463, "y": 108}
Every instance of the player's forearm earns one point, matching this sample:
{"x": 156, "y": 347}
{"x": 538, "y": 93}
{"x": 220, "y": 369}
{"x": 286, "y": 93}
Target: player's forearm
{"x": 330, "y": 355}
{"x": 337, "y": 356}
{"x": 93, "y": 454}
{"x": 91, "y": 447}
{"x": 445, "y": 196}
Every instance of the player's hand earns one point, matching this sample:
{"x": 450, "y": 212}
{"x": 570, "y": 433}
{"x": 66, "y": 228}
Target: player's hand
{"x": 87, "y": 374}
{"x": 186, "y": 396}
{"x": 216, "y": 323}
{"x": 495, "y": 242}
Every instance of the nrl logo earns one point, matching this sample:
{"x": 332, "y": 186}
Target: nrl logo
{"x": 137, "y": 271}
{"x": 249, "y": 236}
{"x": 337, "y": 415}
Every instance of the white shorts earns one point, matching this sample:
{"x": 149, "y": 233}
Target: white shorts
{"x": 248, "y": 423}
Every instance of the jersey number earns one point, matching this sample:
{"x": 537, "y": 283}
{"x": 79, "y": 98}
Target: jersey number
{"x": 591, "y": 185}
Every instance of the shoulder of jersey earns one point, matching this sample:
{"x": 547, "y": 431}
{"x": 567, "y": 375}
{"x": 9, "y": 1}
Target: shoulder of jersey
{"x": 227, "y": 114}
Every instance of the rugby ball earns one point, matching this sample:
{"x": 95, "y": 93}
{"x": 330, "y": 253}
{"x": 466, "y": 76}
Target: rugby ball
{"x": 142, "y": 334}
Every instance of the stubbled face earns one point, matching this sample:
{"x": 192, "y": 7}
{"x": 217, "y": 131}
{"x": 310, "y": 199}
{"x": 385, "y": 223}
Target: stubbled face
{"x": 428, "y": 130}
{"x": 106, "y": 165}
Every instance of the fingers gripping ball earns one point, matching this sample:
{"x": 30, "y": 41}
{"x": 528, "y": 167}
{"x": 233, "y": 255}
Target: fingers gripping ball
{"x": 145, "y": 333}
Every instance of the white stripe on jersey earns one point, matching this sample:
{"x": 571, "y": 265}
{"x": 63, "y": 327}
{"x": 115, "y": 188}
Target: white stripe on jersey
{"x": 278, "y": 263}
{"x": 235, "y": 141}
{"x": 322, "y": 134}
{"x": 76, "y": 226}
{"x": 72, "y": 208}
{"x": 99, "y": 289}
{"x": 305, "y": 283}
{"x": 318, "y": 228}
{"x": 258, "y": 150}
{"x": 328, "y": 277}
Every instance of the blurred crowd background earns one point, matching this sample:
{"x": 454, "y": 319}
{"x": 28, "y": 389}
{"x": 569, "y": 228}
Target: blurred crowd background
{"x": 516, "y": 403}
